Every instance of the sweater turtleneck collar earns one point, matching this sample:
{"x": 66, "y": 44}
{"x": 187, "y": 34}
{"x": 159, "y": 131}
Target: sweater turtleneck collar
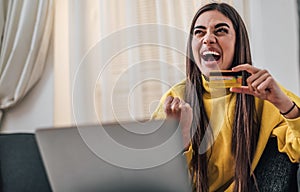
{"x": 213, "y": 92}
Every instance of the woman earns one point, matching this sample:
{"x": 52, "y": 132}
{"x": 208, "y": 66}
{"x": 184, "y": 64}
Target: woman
{"x": 226, "y": 130}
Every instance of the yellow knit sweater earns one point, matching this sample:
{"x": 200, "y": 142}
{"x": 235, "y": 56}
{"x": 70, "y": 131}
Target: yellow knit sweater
{"x": 220, "y": 105}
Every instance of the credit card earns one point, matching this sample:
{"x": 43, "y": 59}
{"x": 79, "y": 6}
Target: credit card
{"x": 225, "y": 79}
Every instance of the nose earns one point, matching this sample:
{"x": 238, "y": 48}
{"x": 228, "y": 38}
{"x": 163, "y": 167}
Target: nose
{"x": 209, "y": 38}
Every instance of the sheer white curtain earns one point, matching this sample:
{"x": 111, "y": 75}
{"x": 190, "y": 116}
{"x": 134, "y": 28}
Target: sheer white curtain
{"x": 125, "y": 54}
{"x": 25, "y": 28}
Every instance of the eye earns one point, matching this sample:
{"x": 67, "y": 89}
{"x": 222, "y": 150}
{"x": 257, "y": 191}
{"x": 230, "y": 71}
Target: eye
{"x": 221, "y": 31}
{"x": 198, "y": 32}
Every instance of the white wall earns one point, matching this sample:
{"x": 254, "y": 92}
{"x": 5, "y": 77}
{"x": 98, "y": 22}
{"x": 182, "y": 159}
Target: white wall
{"x": 274, "y": 40}
{"x": 36, "y": 109}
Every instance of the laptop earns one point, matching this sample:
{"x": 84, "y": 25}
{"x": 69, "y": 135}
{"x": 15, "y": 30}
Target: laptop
{"x": 128, "y": 156}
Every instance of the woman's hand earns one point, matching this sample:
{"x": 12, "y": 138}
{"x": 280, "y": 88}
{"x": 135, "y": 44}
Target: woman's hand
{"x": 178, "y": 109}
{"x": 261, "y": 84}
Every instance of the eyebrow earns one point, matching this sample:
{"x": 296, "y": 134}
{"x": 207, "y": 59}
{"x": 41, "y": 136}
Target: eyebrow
{"x": 221, "y": 25}
{"x": 199, "y": 27}
{"x": 216, "y": 26}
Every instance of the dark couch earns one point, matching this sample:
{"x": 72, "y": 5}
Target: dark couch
{"x": 22, "y": 169}
{"x": 275, "y": 172}
{"x": 21, "y": 166}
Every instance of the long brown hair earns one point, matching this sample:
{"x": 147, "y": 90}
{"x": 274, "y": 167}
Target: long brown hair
{"x": 246, "y": 123}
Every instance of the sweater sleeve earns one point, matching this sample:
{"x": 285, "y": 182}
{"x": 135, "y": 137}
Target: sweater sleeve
{"x": 288, "y": 133}
{"x": 175, "y": 91}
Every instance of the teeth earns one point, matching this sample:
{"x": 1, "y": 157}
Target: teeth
{"x": 210, "y": 53}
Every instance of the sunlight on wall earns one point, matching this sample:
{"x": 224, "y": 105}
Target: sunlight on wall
{"x": 62, "y": 96}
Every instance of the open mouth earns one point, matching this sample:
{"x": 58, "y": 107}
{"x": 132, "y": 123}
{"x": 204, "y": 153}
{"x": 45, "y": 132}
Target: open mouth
{"x": 210, "y": 56}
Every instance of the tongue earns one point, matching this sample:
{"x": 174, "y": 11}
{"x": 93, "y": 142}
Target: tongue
{"x": 210, "y": 57}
